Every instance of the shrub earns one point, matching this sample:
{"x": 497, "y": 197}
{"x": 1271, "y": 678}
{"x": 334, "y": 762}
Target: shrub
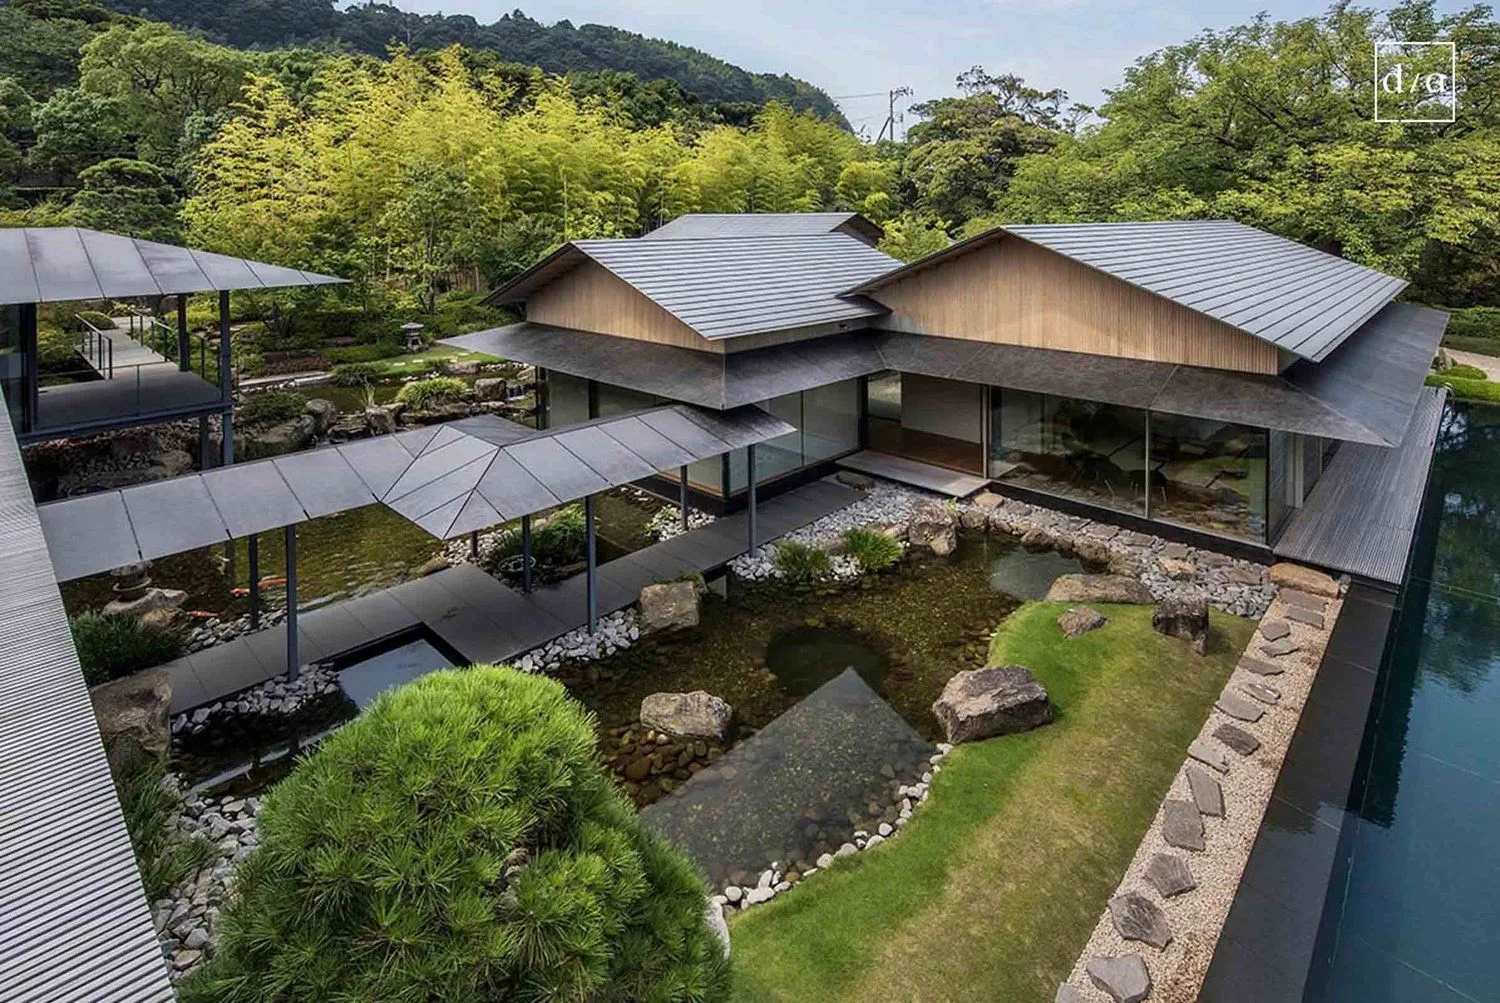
{"x": 423, "y": 394}
{"x": 798, "y": 562}
{"x": 874, "y": 550}
{"x": 1474, "y": 322}
{"x": 271, "y": 407}
{"x": 560, "y": 540}
{"x": 1475, "y": 390}
{"x": 353, "y": 374}
{"x": 149, "y": 803}
{"x": 1463, "y": 371}
{"x": 100, "y": 320}
{"x": 460, "y": 841}
{"x": 353, "y": 355}
{"x": 113, "y": 645}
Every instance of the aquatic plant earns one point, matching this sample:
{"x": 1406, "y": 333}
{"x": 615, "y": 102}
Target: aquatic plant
{"x": 799, "y": 562}
{"x": 113, "y": 645}
{"x": 874, "y": 549}
{"x": 461, "y": 841}
{"x": 422, "y": 394}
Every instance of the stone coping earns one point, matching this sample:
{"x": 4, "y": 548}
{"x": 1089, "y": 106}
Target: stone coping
{"x": 1216, "y": 775}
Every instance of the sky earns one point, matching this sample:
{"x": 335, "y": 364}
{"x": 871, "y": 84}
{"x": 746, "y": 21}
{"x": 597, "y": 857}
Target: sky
{"x": 870, "y": 47}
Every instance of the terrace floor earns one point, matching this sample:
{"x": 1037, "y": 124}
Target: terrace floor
{"x": 481, "y": 618}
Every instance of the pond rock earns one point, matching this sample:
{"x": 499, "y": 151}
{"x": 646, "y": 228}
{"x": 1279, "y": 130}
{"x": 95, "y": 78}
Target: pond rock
{"x": 1099, "y": 588}
{"x": 1183, "y": 618}
{"x": 669, "y": 606}
{"x": 324, "y": 414}
{"x": 982, "y": 703}
{"x": 381, "y": 420}
{"x": 1080, "y": 620}
{"x": 134, "y": 717}
{"x": 698, "y": 714}
{"x": 490, "y": 389}
{"x": 933, "y": 525}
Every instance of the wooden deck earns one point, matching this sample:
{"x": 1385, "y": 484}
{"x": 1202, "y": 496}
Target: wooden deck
{"x": 953, "y": 483}
{"x": 1362, "y": 515}
{"x": 478, "y": 616}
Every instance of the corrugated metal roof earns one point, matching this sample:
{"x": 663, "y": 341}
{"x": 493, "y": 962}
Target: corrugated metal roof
{"x": 727, "y": 287}
{"x": 698, "y": 225}
{"x": 74, "y": 922}
{"x": 54, "y": 264}
{"x": 1298, "y": 298}
{"x": 448, "y": 479}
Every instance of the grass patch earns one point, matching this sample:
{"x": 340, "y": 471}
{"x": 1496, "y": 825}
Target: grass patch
{"x": 114, "y": 645}
{"x": 1477, "y": 344}
{"x": 995, "y": 886}
{"x": 432, "y": 359}
{"x": 1466, "y": 389}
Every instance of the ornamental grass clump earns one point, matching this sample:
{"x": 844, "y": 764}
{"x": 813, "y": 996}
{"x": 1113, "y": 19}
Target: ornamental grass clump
{"x": 874, "y": 550}
{"x": 113, "y": 645}
{"x": 798, "y": 562}
{"x": 460, "y": 841}
{"x": 420, "y": 395}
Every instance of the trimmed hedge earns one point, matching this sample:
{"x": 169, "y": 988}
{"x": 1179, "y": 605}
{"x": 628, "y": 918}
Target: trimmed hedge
{"x": 271, "y": 407}
{"x": 460, "y": 841}
{"x": 1467, "y": 389}
{"x": 1474, "y": 322}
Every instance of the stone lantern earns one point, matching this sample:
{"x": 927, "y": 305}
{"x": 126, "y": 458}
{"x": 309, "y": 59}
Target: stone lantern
{"x": 413, "y": 332}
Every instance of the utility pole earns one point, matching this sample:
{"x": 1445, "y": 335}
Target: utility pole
{"x": 890, "y": 117}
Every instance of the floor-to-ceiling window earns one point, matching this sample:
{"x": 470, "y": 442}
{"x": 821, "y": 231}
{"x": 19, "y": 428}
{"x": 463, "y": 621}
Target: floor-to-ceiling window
{"x": 1079, "y": 449}
{"x": 926, "y": 418}
{"x": 567, "y": 399}
{"x": 1212, "y": 475}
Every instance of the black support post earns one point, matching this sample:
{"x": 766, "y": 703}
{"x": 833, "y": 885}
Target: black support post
{"x": 252, "y": 544}
{"x": 593, "y": 570}
{"x": 683, "y": 493}
{"x": 205, "y": 459}
{"x": 474, "y": 545}
{"x": 225, "y": 393}
{"x": 32, "y": 384}
{"x": 525, "y": 553}
{"x": 184, "y": 350}
{"x": 750, "y": 473}
{"x": 293, "y": 662}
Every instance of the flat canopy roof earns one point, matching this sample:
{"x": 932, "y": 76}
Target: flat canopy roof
{"x": 448, "y": 479}
{"x": 1363, "y": 392}
{"x": 55, "y": 264}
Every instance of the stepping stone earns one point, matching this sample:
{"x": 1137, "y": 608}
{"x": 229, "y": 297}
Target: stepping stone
{"x": 1262, "y": 692}
{"x": 1207, "y": 793}
{"x": 1176, "y": 551}
{"x": 1208, "y": 755}
{"x": 1275, "y": 630}
{"x": 1169, "y": 875}
{"x": 1100, "y": 531}
{"x": 1276, "y": 649}
{"x": 1239, "y": 708}
{"x": 1237, "y": 738}
{"x": 1299, "y": 615}
{"x": 1125, "y": 978}
{"x": 1304, "y": 600}
{"x": 1138, "y": 918}
{"x": 1259, "y": 667}
{"x": 1069, "y": 994}
{"x": 1182, "y": 825}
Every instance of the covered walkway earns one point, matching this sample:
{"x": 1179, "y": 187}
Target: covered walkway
{"x": 481, "y": 618}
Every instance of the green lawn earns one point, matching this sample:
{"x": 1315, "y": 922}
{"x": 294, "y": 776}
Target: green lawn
{"x": 405, "y": 365}
{"x": 1472, "y": 343}
{"x": 994, "y": 887}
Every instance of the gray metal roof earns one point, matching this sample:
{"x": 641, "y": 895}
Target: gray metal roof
{"x": 1293, "y": 296}
{"x": 698, "y": 225}
{"x": 448, "y": 479}
{"x": 1364, "y": 392}
{"x": 75, "y": 926}
{"x": 728, "y": 287}
{"x": 63, "y": 263}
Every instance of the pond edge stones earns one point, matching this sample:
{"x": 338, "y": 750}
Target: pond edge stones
{"x": 1189, "y": 862}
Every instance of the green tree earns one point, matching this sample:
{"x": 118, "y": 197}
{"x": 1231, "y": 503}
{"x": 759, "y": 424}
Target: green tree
{"x": 75, "y": 128}
{"x": 130, "y": 197}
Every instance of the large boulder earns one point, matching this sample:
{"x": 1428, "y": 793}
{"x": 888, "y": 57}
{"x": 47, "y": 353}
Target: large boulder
{"x": 933, "y": 525}
{"x": 324, "y": 414}
{"x": 284, "y": 437}
{"x": 491, "y": 388}
{"x": 1080, "y": 620}
{"x": 1295, "y": 576}
{"x": 153, "y": 600}
{"x": 669, "y": 605}
{"x": 1099, "y": 588}
{"x": 134, "y": 716}
{"x": 1000, "y": 700}
{"x": 698, "y": 714}
{"x": 1183, "y": 618}
{"x": 380, "y": 419}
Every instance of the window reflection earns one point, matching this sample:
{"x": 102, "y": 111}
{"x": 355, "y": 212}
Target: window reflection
{"x": 1209, "y": 475}
{"x": 1079, "y": 449}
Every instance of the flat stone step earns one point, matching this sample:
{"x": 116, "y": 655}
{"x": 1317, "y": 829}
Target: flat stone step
{"x": 1304, "y": 600}
{"x": 1182, "y": 825}
{"x": 1237, "y": 738}
{"x": 1239, "y": 708}
{"x": 1297, "y": 614}
{"x": 1274, "y": 630}
{"x": 1170, "y": 875}
{"x": 1125, "y": 978}
{"x": 1138, "y": 918}
{"x": 1260, "y": 668}
{"x": 1260, "y": 691}
{"x": 1276, "y": 649}
{"x": 1208, "y": 756}
{"x": 1207, "y": 794}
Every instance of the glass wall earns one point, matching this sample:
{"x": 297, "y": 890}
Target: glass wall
{"x": 12, "y": 364}
{"x": 610, "y": 400}
{"x": 567, "y": 399}
{"x": 928, "y": 419}
{"x": 1075, "y": 448}
{"x": 1211, "y": 475}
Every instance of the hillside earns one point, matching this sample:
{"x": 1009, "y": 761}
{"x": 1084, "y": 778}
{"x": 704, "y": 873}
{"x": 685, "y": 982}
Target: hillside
{"x": 557, "y": 48}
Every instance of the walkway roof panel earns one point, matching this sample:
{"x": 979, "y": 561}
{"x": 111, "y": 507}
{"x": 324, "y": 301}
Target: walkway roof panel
{"x": 52, "y": 264}
{"x": 97, "y": 528}
{"x": 252, "y": 498}
{"x": 511, "y": 489}
{"x": 562, "y": 473}
{"x": 604, "y": 455}
{"x": 323, "y": 482}
{"x": 379, "y": 461}
{"x": 649, "y": 444}
{"x": 169, "y": 517}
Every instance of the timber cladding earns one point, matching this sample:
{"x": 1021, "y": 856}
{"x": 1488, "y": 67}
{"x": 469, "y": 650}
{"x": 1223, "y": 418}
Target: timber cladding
{"x": 1012, "y": 292}
{"x": 590, "y": 297}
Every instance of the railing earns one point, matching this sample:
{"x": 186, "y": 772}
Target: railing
{"x": 161, "y": 337}
{"x": 79, "y": 397}
{"x": 97, "y": 348}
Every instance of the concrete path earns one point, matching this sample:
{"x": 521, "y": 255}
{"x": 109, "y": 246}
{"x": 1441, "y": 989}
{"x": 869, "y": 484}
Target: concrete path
{"x": 478, "y": 616}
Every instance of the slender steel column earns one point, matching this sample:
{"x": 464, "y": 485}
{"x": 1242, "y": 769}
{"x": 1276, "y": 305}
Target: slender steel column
{"x": 32, "y": 383}
{"x": 205, "y": 459}
{"x": 474, "y": 545}
{"x": 184, "y": 351}
{"x": 750, "y": 473}
{"x": 525, "y": 553}
{"x": 588, "y": 518}
{"x": 253, "y": 545}
{"x": 293, "y": 663}
{"x": 684, "y": 492}
{"x": 225, "y": 394}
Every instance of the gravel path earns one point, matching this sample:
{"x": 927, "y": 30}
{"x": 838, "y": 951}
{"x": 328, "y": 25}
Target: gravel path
{"x": 1489, "y": 363}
